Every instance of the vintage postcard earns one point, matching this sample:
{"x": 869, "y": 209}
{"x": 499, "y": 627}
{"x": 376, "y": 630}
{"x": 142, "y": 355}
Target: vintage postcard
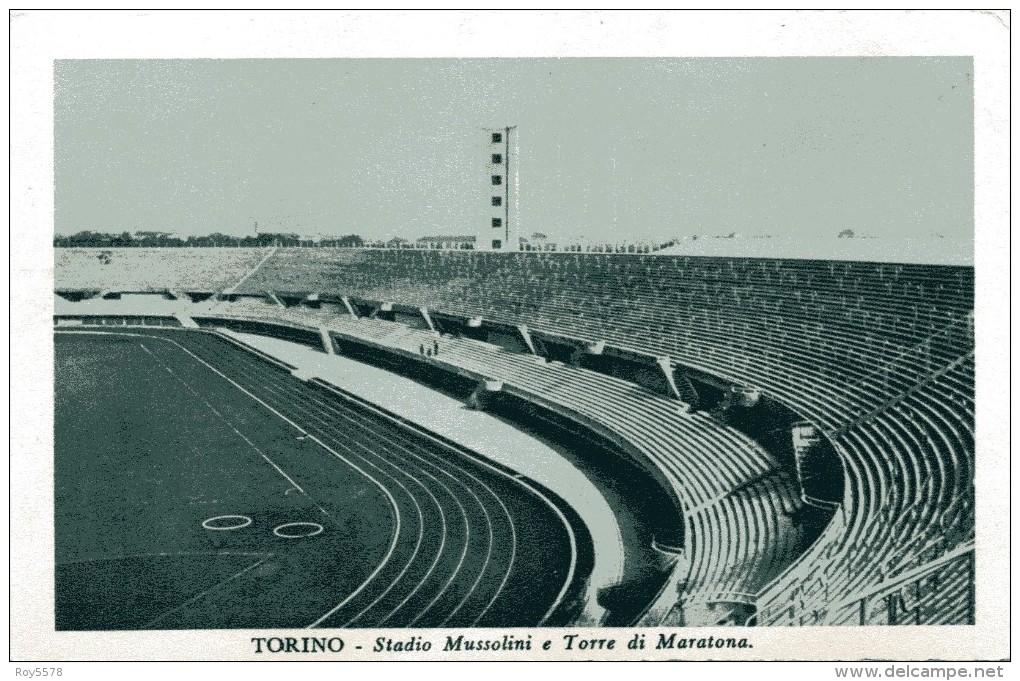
{"x": 538, "y": 337}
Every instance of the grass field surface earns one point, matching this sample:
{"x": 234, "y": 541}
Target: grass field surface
{"x": 164, "y": 439}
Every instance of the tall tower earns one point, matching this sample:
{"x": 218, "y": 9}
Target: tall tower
{"x": 500, "y": 230}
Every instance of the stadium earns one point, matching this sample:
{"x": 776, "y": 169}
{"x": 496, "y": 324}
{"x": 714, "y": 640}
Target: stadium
{"x": 796, "y": 437}
{"x": 478, "y": 429}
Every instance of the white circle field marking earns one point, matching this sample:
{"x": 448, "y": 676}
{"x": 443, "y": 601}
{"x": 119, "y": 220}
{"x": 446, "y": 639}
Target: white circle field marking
{"x": 297, "y": 530}
{"x": 226, "y": 522}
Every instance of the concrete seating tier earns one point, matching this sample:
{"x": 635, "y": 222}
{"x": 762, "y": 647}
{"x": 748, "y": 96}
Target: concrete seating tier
{"x": 736, "y": 500}
{"x": 831, "y": 323}
{"x": 910, "y": 500}
{"x": 153, "y": 269}
{"x": 879, "y": 356}
{"x": 844, "y": 344}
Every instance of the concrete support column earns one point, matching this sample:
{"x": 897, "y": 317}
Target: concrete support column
{"x": 428, "y": 318}
{"x": 350, "y": 308}
{"x": 523, "y": 329}
{"x": 327, "y": 341}
{"x": 667, "y": 372}
{"x": 185, "y": 320}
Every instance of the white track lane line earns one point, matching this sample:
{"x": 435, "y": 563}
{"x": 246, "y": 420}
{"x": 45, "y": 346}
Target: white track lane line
{"x": 393, "y": 503}
{"x": 562, "y": 517}
{"x": 479, "y": 460}
{"x": 491, "y": 530}
{"x": 205, "y": 593}
{"x": 460, "y": 564}
{"x": 513, "y": 540}
{"x": 442, "y": 514}
{"x": 412, "y": 497}
{"x": 485, "y": 463}
{"x": 498, "y": 499}
{"x": 230, "y": 425}
{"x": 282, "y": 391}
{"x": 176, "y": 554}
{"x": 467, "y": 524}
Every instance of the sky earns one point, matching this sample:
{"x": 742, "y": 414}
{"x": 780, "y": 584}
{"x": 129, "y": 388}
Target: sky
{"x": 628, "y": 149}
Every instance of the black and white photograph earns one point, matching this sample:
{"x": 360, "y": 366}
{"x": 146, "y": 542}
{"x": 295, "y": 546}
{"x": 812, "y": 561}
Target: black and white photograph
{"x": 518, "y": 356}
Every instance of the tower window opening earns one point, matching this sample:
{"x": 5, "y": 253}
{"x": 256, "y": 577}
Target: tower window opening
{"x": 497, "y": 159}
{"x": 497, "y": 179}
{"x": 497, "y": 200}
{"x": 497, "y": 137}
{"x": 497, "y": 222}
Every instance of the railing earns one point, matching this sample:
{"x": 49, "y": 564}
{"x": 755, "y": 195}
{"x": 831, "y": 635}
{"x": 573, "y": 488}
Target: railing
{"x": 917, "y": 596}
{"x": 727, "y": 596}
{"x": 913, "y": 596}
{"x": 915, "y": 387}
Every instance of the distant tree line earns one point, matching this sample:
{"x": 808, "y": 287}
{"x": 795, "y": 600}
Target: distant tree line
{"x": 151, "y": 239}
{"x": 166, "y": 240}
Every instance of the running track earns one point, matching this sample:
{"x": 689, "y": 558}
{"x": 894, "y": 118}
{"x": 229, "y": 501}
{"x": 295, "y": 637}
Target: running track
{"x": 471, "y": 544}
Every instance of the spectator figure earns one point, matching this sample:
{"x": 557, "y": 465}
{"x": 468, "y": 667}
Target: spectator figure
{"x": 421, "y": 349}
{"x": 428, "y": 352}
{"x": 435, "y": 347}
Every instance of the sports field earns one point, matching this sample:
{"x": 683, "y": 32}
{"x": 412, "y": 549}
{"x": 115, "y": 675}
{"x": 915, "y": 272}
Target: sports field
{"x": 201, "y": 486}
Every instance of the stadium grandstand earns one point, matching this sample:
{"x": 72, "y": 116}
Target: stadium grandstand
{"x": 793, "y": 439}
